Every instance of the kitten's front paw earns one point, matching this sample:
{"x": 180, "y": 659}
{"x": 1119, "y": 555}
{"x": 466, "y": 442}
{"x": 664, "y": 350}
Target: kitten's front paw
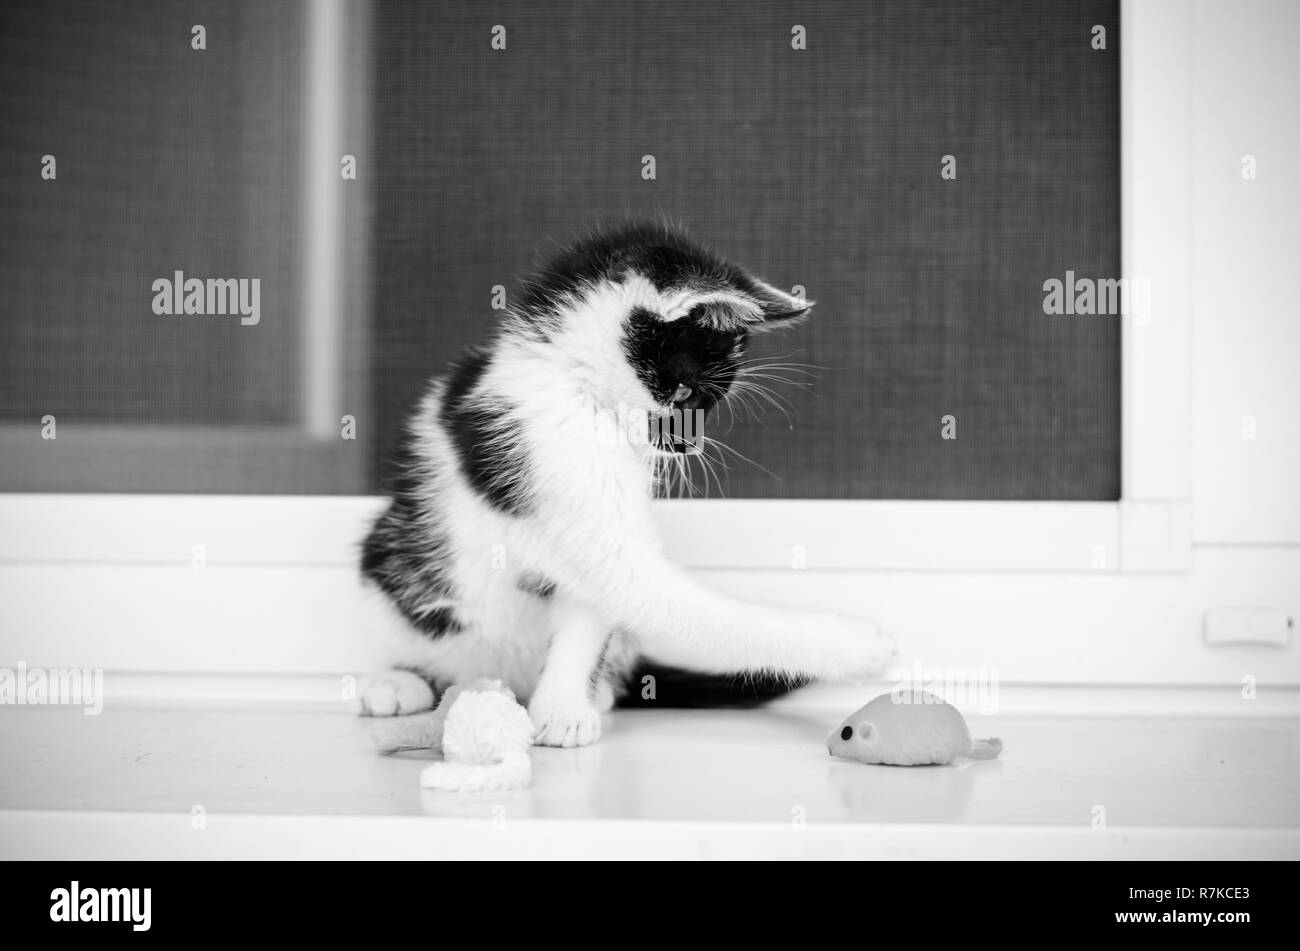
{"x": 865, "y": 650}
{"x": 392, "y": 693}
{"x": 564, "y": 724}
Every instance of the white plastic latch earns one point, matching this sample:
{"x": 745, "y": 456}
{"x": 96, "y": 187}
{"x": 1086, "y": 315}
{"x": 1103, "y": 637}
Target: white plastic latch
{"x": 1247, "y": 626}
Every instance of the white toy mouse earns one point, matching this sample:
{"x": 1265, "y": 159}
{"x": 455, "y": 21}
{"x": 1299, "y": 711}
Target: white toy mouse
{"x": 483, "y": 733}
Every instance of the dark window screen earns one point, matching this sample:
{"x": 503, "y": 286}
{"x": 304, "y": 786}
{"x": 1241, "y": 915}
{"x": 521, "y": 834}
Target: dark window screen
{"x": 817, "y": 167}
{"x": 167, "y": 159}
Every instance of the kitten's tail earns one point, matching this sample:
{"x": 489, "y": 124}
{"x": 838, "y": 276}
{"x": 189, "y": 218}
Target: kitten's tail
{"x": 659, "y": 686}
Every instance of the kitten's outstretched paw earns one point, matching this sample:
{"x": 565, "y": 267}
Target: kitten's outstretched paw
{"x": 392, "y": 693}
{"x": 867, "y": 651}
{"x": 573, "y": 725}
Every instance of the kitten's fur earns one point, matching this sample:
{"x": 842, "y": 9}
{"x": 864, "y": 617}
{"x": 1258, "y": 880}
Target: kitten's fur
{"x": 519, "y": 541}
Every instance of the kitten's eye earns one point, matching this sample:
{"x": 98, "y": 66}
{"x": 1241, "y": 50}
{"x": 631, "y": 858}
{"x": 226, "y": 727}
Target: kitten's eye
{"x": 846, "y": 733}
{"x": 682, "y": 393}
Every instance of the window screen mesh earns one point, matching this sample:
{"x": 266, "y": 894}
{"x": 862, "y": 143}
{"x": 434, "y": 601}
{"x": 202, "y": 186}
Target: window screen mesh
{"x": 817, "y": 167}
{"x": 167, "y": 159}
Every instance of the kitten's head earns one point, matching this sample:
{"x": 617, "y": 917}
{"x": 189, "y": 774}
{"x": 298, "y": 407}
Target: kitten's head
{"x": 675, "y": 316}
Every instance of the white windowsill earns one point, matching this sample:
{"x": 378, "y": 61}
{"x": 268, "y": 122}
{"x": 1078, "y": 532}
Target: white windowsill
{"x": 301, "y": 781}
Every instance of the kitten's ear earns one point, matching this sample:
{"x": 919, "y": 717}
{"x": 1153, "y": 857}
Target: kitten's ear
{"x": 778, "y": 309}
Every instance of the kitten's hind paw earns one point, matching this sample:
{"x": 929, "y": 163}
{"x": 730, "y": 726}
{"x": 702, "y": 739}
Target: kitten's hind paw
{"x": 568, "y": 726}
{"x": 392, "y": 693}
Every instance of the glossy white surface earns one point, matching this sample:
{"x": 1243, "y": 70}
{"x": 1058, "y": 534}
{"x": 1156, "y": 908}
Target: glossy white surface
{"x": 660, "y": 783}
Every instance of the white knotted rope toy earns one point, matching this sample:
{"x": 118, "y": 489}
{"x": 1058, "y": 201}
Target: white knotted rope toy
{"x": 483, "y": 732}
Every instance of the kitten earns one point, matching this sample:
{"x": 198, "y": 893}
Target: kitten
{"x": 519, "y": 541}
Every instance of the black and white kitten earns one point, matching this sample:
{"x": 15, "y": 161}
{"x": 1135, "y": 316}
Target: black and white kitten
{"x": 519, "y": 541}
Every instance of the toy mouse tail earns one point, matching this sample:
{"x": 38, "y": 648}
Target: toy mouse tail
{"x": 416, "y": 731}
{"x": 514, "y": 771}
{"x": 985, "y": 749}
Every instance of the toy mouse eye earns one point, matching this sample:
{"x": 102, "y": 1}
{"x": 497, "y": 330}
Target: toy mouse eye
{"x": 846, "y": 733}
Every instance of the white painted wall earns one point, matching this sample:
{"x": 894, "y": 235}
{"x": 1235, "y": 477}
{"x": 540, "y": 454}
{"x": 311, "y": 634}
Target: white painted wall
{"x": 1046, "y": 627}
{"x": 1246, "y": 263}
